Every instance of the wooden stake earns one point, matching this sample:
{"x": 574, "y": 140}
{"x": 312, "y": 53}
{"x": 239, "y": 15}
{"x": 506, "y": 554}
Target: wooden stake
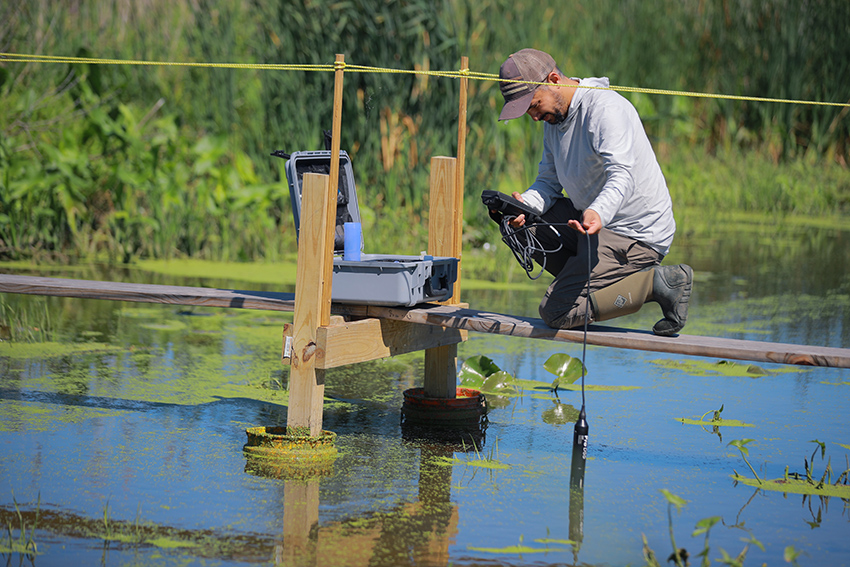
{"x": 312, "y": 303}
{"x": 457, "y": 244}
{"x": 443, "y": 240}
{"x": 333, "y": 184}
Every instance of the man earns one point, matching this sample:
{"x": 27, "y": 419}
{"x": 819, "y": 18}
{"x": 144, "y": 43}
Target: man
{"x": 595, "y": 149}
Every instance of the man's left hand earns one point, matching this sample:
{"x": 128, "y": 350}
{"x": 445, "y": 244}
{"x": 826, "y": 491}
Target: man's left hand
{"x": 590, "y": 223}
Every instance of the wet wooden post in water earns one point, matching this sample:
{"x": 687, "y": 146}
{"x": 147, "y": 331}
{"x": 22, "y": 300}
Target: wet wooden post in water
{"x": 313, "y": 281}
{"x": 445, "y": 238}
{"x": 312, "y": 307}
{"x": 441, "y": 362}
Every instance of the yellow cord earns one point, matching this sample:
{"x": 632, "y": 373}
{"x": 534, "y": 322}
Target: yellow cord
{"x": 339, "y": 65}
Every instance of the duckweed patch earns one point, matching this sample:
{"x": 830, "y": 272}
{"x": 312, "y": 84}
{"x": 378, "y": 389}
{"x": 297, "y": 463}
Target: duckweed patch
{"x": 168, "y": 543}
{"x": 721, "y": 368}
{"x": 514, "y": 549}
{"x": 17, "y": 415}
{"x": 22, "y": 351}
{"x": 717, "y": 423}
{"x": 796, "y": 486}
{"x": 141, "y": 534}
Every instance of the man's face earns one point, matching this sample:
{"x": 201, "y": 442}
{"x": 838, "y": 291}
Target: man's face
{"x": 548, "y": 105}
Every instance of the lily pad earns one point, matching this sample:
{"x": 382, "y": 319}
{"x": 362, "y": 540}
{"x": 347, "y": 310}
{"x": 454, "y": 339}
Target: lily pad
{"x": 475, "y": 370}
{"x": 499, "y": 383}
{"x": 566, "y": 368}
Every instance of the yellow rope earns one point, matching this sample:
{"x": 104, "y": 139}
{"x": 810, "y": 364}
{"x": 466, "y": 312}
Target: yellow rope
{"x": 16, "y": 58}
{"x": 339, "y": 65}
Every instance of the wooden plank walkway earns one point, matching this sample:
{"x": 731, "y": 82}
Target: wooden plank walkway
{"x": 439, "y": 315}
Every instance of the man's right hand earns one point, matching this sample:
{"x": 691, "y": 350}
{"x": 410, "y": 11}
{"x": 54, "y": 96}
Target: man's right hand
{"x": 520, "y": 220}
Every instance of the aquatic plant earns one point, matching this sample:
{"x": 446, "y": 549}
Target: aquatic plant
{"x": 680, "y": 555}
{"x": 24, "y": 543}
{"x": 807, "y": 483}
{"x": 29, "y": 322}
{"x": 566, "y": 368}
{"x": 715, "y": 422}
{"x": 741, "y": 444}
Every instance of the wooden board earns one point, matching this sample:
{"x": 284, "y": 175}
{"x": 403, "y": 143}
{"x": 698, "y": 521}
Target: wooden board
{"x": 148, "y": 293}
{"x": 440, "y": 315}
{"x": 690, "y": 345}
{"x": 372, "y": 339}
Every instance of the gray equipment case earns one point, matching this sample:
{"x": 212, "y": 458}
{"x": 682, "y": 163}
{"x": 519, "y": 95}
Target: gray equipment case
{"x": 377, "y": 279}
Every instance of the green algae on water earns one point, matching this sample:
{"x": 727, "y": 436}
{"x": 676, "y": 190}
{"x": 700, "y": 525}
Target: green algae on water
{"x": 515, "y": 549}
{"x": 721, "y": 368}
{"x": 796, "y": 486}
{"x": 21, "y": 351}
{"x": 714, "y": 423}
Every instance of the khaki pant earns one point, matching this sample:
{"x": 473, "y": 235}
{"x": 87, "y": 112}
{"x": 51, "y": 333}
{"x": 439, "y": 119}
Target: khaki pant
{"x": 612, "y": 257}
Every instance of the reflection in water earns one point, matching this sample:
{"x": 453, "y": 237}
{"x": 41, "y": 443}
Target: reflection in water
{"x": 417, "y": 532}
{"x": 156, "y": 414}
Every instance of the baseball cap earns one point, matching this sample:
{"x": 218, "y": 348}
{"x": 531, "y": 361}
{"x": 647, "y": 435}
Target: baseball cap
{"x": 524, "y": 65}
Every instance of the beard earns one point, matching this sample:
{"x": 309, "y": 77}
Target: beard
{"x": 560, "y": 112}
{"x": 557, "y": 117}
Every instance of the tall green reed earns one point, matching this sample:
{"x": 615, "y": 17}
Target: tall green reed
{"x": 130, "y": 161}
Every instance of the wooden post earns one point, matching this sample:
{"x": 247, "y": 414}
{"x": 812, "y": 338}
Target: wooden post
{"x": 443, "y": 240}
{"x": 312, "y": 304}
{"x": 457, "y": 245}
{"x": 314, "y": 279}
{"x": 333, "y": 184}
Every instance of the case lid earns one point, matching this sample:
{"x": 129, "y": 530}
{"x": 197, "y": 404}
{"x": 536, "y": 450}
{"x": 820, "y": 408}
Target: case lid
{"x": 347, "y": 210}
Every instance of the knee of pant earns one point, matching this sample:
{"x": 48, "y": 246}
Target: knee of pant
{"x": 552, "y": 317}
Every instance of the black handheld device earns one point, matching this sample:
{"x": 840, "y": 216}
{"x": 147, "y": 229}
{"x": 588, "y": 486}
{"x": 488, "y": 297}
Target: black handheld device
{"x": 498, "y": 205}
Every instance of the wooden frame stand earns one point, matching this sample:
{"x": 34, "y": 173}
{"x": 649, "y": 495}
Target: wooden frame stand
{"x": 315, "y": 342}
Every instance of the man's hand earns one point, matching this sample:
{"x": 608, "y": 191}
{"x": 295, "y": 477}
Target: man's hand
{"x": 520, "y": 220}
{"x": 590, "y": 223}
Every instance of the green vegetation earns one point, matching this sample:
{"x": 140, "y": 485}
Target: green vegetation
{"x": 122, "y": 162}
{"x": 680, "y": 556}
{"x": 720, "y": 368}
{"x": 716, "y": 420}
{"x": 806, "y": 483}
{"x": 24, "y": 543}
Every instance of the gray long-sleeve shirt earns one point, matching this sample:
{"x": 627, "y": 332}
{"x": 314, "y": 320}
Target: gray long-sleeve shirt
{"x": 600, "y": 155}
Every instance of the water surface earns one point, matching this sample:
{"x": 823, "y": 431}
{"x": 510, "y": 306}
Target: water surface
{"x": 125, "y": 432}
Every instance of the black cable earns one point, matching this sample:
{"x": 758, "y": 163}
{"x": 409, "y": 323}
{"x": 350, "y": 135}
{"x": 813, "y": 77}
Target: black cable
{"x": 586, "y": 320}
{"x": 524, "y": 251}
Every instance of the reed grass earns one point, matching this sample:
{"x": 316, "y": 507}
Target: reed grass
{"x": 125, "y": 162}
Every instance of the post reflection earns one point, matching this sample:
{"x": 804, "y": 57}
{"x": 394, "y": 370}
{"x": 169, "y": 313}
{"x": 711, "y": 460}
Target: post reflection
{"x": 414, "y": 532}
